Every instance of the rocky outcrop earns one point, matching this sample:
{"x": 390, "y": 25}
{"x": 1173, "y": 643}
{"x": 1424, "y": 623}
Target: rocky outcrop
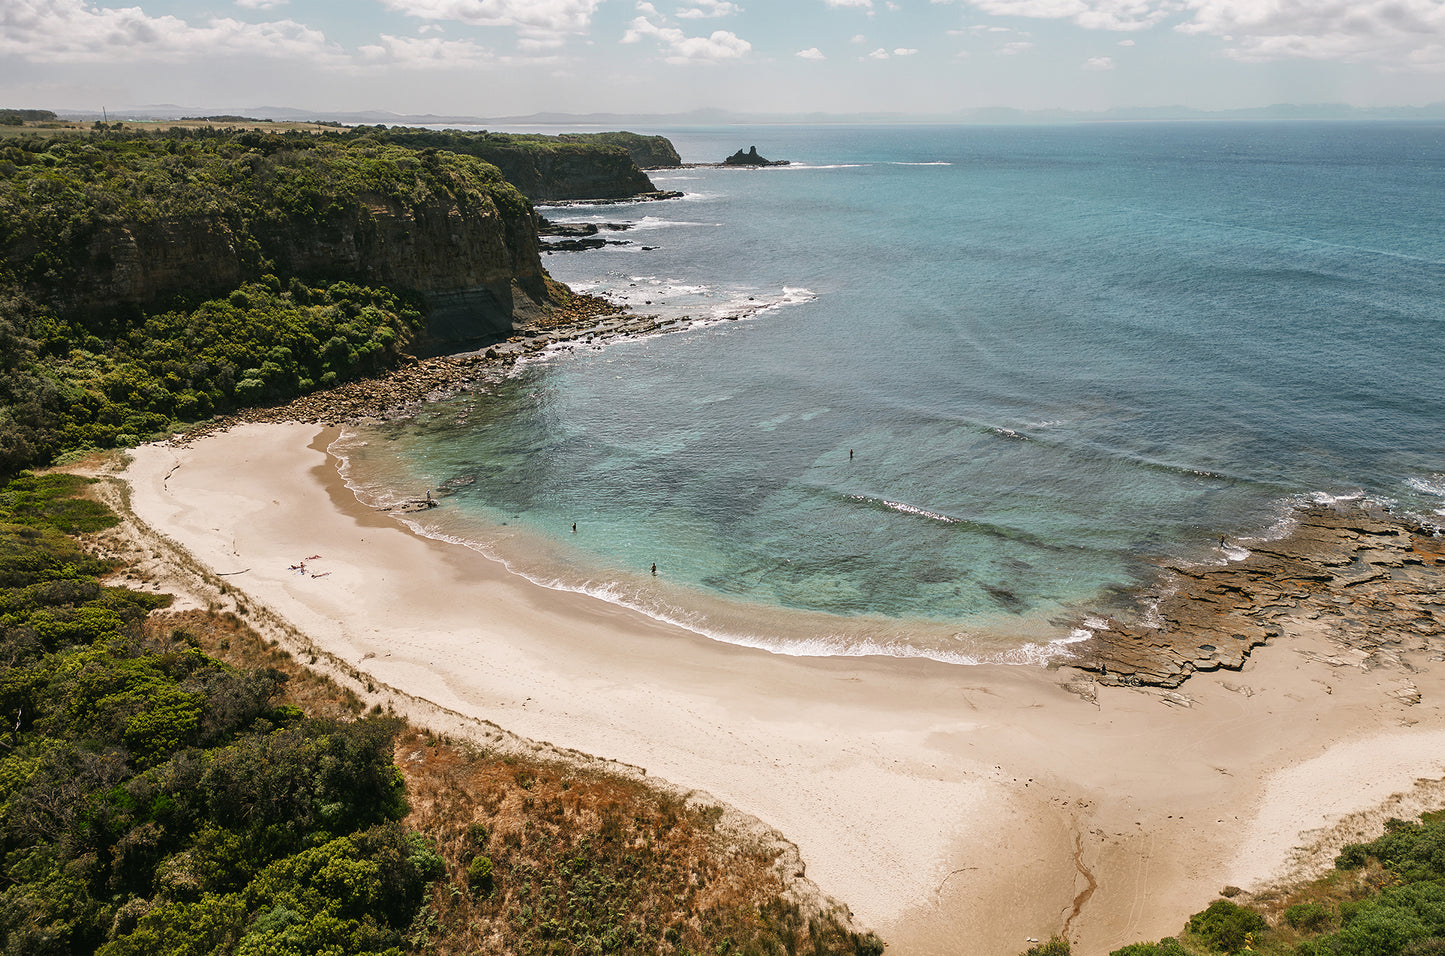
{"x": 1372, "y": 578}
{"x": 751, "y": 158}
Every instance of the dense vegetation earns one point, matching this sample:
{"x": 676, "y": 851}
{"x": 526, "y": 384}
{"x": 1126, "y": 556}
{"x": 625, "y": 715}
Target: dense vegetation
{"x": 75, "y": 384}
{"x": 1384, "y": 898}
{"x": 155, "y": 800}
{"x": 13, "y": 117}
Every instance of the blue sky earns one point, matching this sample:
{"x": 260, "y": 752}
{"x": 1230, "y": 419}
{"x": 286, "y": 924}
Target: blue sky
{"x": 509, "y": 57}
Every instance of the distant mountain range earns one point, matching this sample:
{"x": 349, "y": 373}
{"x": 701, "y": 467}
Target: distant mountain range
{"x": 717, "y": 117}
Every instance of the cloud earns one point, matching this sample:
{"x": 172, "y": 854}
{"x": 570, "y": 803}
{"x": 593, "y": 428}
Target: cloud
{"x": 1091, "y": 14}
{"x": 533, "y": 16}
{"x": 261, "y": 4}
{"x": 862, "y": 4}
{"x": 722, "y": 45}
{"x": 1098, "y": 63}
{"x": 878, "y": 54}
{"x": 811, "y": 53}
{"x": 425, "y": 53}
{"x": 858, "y": 38}
{"x": 1399, "y": 34}
{"x": 1015, "y": 48}
{"x": 75, "y": 31}
{"x": 1396, "y": 34}
{"x": 1126, "y": 43}
{"x": 904, "y": 51}
{"x": 708, "y": 8}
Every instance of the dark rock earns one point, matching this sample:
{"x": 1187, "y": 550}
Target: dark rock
{"x": 751, "y": 158}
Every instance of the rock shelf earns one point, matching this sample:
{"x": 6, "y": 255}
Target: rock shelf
{"x": 1371, "y": 577}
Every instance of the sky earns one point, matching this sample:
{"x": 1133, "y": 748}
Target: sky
{"x": 496, "y": 58}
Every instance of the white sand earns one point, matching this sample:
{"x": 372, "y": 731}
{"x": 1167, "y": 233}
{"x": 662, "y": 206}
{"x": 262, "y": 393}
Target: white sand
{"x": 955, "y": 809}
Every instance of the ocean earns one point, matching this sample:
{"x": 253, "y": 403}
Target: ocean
{"x": 948, "y": 391}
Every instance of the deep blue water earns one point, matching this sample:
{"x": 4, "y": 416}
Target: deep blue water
{"x": 1055, "y": 354}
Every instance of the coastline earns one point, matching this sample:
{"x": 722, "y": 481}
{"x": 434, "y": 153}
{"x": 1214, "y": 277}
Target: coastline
{"x": 947, "y": 805}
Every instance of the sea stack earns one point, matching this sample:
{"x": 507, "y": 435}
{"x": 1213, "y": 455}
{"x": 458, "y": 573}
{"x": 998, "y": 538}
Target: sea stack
{"x": 751, "y": 158}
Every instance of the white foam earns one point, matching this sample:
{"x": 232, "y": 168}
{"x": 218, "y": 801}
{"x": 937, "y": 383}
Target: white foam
{"x": 1434, "y": 485}
{"x": 936, "y": 162}
{"x": 1324, "y": 498}
{"x": 649, "y": 223}
{"x": 906, "y": 509}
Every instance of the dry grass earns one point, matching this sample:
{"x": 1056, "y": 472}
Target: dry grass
{"x": 586, "y": 861}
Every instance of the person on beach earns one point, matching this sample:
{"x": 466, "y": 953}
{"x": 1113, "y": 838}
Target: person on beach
{"x": 574, "y": 527}
{"x": 654, "y": 569}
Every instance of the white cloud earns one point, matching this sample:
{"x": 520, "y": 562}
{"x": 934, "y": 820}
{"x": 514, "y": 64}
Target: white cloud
{"x": 647, "y": 9}
{"x": 904, "y": 51}
{"x": 1126, "y": 43}
{"x": 708, "y": 8}
{"x": 1015, "y": 48}
{"x": 859, "y": 38}
{"x": 261, "y": 4}
{"x": 722, "y": 45}
{"x": 75, "y": 31}
{"x": 1399, "y": 34}
{"x": 811, "y": 53}
{"x": 1098, "y": 63}
{"x": 878, "y": 54}
{"x": 1092, "y": 14}
{"x": 1396, "y": 34}
{"x": 864, "y": 4}
{"x": 425, "y": 53}
{"x": 535, "y": 16}
{"x": 540, "y": 44}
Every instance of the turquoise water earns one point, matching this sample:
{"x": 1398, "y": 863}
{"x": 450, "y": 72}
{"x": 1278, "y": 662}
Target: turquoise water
{"x": 1055, "y": 355}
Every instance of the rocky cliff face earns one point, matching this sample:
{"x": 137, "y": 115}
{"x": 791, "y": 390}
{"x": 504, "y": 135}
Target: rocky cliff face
{"x": 478, "y": 268}
{"x": 584, "y": 172}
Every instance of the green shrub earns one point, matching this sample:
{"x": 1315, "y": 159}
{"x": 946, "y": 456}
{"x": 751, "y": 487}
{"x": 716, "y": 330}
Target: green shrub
{"x": 1311, "y": 917}
{"x": 479, "y": 875}
{"x": 1168, "y": 946}
{"x": 1227, "y": 926}
{"x": 1352, "y": 857}
{"x": 1057, "y": 946}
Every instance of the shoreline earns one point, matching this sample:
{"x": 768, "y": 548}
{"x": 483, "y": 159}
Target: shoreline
{"x": 943, "y": 803}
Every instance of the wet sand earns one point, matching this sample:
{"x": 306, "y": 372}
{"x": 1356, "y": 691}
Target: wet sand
{"x": 956, "y": 809}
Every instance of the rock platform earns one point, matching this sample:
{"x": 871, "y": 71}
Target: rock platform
{"x": 1373, "y": 579}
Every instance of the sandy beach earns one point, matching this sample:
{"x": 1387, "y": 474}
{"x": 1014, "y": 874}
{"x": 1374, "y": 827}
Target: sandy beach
{"x": 955, "y": 809}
